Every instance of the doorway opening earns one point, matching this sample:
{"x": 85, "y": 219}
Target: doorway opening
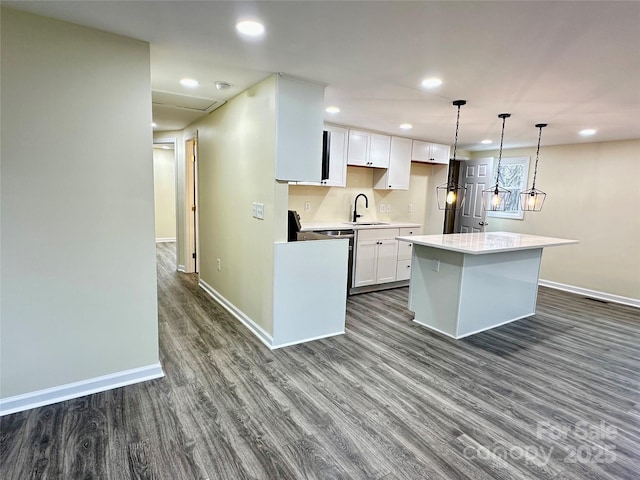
{"x": 164, "y": 187}
{"x": 476, "y": 176}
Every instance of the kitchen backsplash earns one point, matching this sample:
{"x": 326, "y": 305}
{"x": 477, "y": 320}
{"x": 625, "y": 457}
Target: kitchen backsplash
{"x": 336, "y": 203}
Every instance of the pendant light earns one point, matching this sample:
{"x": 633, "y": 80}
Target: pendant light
{"x": 532, "y": 200}
{"x": 497, "y": 198}
{"x": 451, "y": 195}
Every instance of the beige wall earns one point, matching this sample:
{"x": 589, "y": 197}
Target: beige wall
{"x": 592, "y": 196}
{"x": 336, "y": 203}
{"x": 78, "y": 277}
{"x": 164, "y": 183}
{"x": 236, "y": 166}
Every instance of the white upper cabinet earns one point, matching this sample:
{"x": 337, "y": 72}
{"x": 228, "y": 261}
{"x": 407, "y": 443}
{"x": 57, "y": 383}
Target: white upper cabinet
{"x": 299, "y": 110}
{"x": 379, "y": 150}
{"x": 397, "y": 176}
{"x": 368, "y": 149}
{"x": 337, "y": 157}
{"x": 430, "y": 152}
{"x": 358, "y": 151}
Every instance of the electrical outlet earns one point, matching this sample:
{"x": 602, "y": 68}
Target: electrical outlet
{"x": 410, "y": 208}
{"x": 260, "y": 211}
{"x": 435, "y": 265}
{"x": 307, "y": 206}
{"x": 382, "y": 208}
{"x": 219, "y": 264}
{"x": 254, "y": 209}
{"x": 389, "y": 208}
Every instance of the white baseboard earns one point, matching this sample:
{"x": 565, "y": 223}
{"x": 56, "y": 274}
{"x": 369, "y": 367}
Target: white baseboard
{"x": 297, "y": 342}
{"x": 165, "y": 240}
{"x": 608, "y": 297}
{"x": 257, "y": 330}
{"x": 68, "y": 391}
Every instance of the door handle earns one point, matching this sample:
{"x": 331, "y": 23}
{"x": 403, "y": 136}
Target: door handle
{"x": 482, "y": 224}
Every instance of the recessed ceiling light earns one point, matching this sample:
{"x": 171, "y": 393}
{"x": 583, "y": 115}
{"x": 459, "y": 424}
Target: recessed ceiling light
{"x": 486, "y": 141}
{"x": 250, "y": 28}
{"x": 587, "y": 132}
{"x": 332, "y": 109}
{"x": 189, "y": 82}
{"x": 223, "y": 86}
{"x": 431, "y": 82}
{"x": 406, "y": 126}
{"x": 154, "y": 124}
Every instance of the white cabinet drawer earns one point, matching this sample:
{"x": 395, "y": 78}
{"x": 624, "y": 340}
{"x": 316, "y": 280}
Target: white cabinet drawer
{"x": 404, "y": 231}
{"x": 403, "y": 270}
{"x": 378, "y": 234}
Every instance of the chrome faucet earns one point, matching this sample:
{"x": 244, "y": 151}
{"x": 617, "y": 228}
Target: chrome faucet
{"x": 355, "y": 206}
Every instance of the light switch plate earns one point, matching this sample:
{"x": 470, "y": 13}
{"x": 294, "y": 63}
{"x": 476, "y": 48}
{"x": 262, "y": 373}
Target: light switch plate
{"x": 254, "y": 210}
{"x": 260, "y": 211}
{"x": 382, "y": 208}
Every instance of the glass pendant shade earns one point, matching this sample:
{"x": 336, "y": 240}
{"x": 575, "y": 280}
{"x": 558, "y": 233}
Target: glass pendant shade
{"x": 451, "y": 195}
{"x": 532, "y": 200}
{"x": 496, "y": 198}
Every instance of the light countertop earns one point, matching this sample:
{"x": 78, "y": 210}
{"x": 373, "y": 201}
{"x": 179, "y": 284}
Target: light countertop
{"x": 337, "y": 225}
{"x": 488, "y": 242}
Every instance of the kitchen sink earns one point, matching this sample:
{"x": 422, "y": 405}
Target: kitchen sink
{"x": 337, "y": 233}
{"x": 367, "y": 223}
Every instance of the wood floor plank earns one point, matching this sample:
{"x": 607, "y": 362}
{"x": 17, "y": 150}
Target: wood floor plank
{"x": 390, "y": 399}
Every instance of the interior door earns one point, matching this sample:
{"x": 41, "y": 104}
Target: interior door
{"x": 191, "y": 201}
{"x": 476, "y": 176}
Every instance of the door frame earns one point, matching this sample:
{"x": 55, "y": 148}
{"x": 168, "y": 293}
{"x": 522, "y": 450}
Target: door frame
{"x": 173, "y": 141}
{"x": 472, "y": 191}
{"x": 192, "y": 240}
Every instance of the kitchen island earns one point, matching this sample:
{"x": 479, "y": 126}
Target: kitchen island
{"x": 466, "y": 283}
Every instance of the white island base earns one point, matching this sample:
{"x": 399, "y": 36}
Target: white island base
{"x": 463, "y": 284}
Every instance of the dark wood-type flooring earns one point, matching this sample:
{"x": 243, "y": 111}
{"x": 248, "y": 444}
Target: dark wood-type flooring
{"x": 554, "y": 396}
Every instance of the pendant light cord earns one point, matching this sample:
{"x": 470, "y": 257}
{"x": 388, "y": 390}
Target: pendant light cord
{"x": 455, "y": 142}
{"x": 457, "y": 103}
{"x": 535, "y": 170}
{"x": 504, "y": 118}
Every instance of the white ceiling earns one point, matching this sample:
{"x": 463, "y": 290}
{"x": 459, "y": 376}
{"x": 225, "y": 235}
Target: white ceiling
{"x": 572, "y": 65}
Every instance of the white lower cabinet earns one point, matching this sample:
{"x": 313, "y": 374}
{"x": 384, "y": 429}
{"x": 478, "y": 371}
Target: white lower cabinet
{"x": 376, "y": 256}
{"x": 365, "y": 268}
{"x": 405, "y": 249}
{"x": 386, "y": 261}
